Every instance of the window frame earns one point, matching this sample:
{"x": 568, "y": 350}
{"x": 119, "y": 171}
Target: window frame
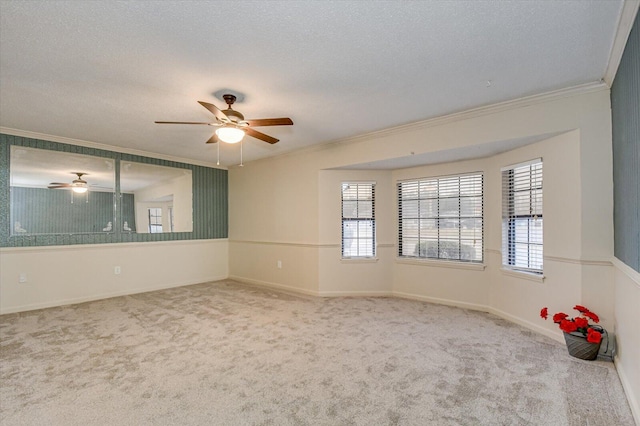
{"x": 440, "y": 219}
{"x": 154, "y": 226}
{"x": 358, "y": 220}
{"x": 512, "y": 257}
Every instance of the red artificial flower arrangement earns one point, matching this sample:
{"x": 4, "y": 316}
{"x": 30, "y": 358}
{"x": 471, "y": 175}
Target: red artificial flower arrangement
{"x": 579, "y": 324}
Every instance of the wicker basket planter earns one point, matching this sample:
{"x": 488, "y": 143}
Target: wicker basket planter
{"x": 578, "y": 346}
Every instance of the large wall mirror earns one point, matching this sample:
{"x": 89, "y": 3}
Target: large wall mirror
{"x": 155, "y": 199}
{"x": 60, "y": 192}
{"x": 129, "y": 198}
{"x": 56, "y": 192}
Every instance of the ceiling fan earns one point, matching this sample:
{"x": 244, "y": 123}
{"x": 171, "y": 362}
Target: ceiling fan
{"x": 232, "y": 125}
{"x": 77, "y": 185}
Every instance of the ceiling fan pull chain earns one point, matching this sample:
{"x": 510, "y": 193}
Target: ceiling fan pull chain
{"x": 218, "y": 153}
{"x": 241, "y": 165}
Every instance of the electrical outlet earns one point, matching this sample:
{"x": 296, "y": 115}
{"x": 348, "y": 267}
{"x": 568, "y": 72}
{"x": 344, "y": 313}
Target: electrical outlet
{"x": 23, "y": 277}
{"x": 117, "y": 270}
{"x": 279, "y": 264}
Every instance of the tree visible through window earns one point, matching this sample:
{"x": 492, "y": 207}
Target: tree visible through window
{"x": 441, "y": 218}
{"x": 358, "y": 219}
{"x": 522, "y": 216}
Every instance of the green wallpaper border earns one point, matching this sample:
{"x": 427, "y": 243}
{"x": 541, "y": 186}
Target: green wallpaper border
{"x": 210, "y": 200}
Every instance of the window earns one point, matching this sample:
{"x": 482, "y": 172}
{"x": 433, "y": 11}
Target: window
{"x": 441, "y": 218}
{"x": 155, "y": 220}
{"x": 358, "y": 219}
{"x": 522, "y": 217}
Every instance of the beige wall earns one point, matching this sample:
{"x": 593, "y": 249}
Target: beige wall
{"x": 354, "y": 277}
{"x": 61, "y": 275}
{"x": 515, "y": 295}
{"x": 293, "y": 199}
{"x": 273, "y": 216}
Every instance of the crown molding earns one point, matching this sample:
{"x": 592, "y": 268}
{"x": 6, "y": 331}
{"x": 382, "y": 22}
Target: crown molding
{"x": 625, "y": 24}
{"x": 480, "y": 111}
{"x": 88, "y": 144}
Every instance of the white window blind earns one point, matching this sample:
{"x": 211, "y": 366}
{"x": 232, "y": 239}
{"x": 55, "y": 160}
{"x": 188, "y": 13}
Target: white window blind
{"x": 522, "y": 217}
{"x": 441, "y": 218}
{"x": 358, "y": 219}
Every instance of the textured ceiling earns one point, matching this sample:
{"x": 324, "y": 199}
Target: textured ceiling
{"x": 105, "y": 71}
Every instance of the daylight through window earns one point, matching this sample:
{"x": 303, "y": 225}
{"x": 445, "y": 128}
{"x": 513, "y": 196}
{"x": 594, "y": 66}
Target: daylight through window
{"x": 441, "y": 218}
{"x": 155, "y": 220}
{"x": 522, "y": 217}
{"x": 358, "y": 219}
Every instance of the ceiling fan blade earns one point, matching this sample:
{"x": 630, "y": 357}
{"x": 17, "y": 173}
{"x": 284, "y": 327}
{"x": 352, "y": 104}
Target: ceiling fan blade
{"x": 213, "y": 139}
{"x": 215, "y": 111}
{"x": 258, "y": 135}
{"x": 270, "y": 122}
{"x": 181, "y": 122}
{"x": 59, "y": 186}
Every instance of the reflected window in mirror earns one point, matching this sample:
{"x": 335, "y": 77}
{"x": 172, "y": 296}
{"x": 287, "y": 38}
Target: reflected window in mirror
{"x": 156, "y": 199}
{"x": 155, "y": 220}
{"x": 55, "y": 192}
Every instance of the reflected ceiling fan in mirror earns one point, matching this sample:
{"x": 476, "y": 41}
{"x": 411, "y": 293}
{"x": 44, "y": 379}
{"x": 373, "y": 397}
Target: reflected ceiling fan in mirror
{"x": 232, "y": 125}
{"x": 78, "y": 186}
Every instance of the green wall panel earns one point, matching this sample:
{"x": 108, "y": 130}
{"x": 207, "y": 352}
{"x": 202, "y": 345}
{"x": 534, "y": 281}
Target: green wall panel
{"x": 625, "y": 113}
{"x": 35, "y": 208}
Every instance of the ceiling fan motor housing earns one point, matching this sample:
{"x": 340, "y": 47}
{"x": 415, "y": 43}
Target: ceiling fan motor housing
{"x": 230, "y": 112}
{"x": 79, "y": 181}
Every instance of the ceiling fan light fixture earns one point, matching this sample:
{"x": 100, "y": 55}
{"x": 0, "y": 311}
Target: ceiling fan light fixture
{"x": 230, "y": 134}
{"x": 79, "y": 189}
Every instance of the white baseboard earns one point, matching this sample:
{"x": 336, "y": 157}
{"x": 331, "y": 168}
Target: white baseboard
{"x": 477, "y": 307}
{"x": 355, "y": 294}
{"x": 439, "y": 301}
{"x": 308, "y": 292}
{"x": 276, "y": 286}
{"x": 531, "y": 326}
{"x": 101, "y": 296}
{"x": 628, "y": 390}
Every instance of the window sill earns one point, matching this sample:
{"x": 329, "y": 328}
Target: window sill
{"x": 442, "y": 263}
{"x": 358, "y": 260}
{"x": 539, "y": 278}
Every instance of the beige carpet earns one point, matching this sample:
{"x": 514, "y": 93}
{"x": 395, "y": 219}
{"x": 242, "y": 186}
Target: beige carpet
{"x": 230, "y": 354}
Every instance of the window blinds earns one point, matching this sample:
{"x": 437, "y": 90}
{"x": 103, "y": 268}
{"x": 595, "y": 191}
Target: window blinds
{"x": 441, "y": 218}
{"x": 358, "y": 219}
{"x": 522, "y": 216}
